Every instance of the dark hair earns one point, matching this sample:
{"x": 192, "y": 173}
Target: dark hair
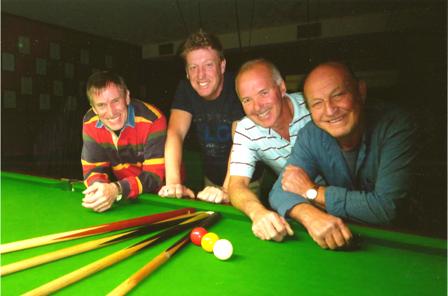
{"x": 201, "y": 39}
{"x": 101, "y": 79}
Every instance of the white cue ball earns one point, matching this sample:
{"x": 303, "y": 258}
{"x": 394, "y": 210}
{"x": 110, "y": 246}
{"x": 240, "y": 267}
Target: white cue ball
{"x": 223, "y": 249}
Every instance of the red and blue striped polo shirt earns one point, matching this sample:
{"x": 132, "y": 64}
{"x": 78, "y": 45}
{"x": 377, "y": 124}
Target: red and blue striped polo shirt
{"x": 135, "y": 157}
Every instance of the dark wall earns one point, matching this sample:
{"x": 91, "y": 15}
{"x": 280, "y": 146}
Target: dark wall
{"x": 46, "y": 139}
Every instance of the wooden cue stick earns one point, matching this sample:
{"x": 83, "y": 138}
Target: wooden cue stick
{"x": 103, "y": 228}
{"x": 90, "y": 245}
{"x": 157, "y": 261}
{"x": 104, "y": 262}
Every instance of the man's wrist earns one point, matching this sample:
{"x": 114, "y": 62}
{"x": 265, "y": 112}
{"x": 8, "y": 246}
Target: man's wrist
{"x": 312, "y": 192}
{"x": 302, "y": 213}
{"x": 119, "y": 195}
{"x": 173, "y": 179}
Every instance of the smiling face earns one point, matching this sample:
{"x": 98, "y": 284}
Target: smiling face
{"x": 205, "y": 70}
{"x": 263, "y": 98}
{"x": 111, "y": 106}
{"x": 335, "y": 101}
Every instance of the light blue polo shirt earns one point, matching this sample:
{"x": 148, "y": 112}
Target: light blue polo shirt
{"x": 252, "y": 143}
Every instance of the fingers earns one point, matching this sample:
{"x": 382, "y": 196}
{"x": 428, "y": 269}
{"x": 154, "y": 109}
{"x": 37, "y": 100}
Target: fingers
{"x": 162, "y": 191}
{"x": 331, "y": 234}
{"x": 188, "y": 192}
{"x": 209, "y": 194}
{"x": 168, "y": 191}
{"x": 289, "y": 230}
{"x": 92, "y": 197}
{"x": 340, "y": 236}
{"x": 175, "y": 190}
{"x": 271, "y": 227}
{"x": 102, "y": 207}
{"x": 97, "y": 203}
{"x": 91, "y": 189}
{"x": 213, "y": 194}
{"x": 98, "y": 197}
{"x": 330, "y": 242}
{"x": 346, "y": 233}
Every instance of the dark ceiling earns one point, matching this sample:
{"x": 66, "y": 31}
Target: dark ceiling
{"x": 156, "y": 21}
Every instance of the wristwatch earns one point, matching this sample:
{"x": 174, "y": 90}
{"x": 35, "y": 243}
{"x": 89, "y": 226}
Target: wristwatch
{"x": 311, "y": 193}
{"x": 120, "y": 192}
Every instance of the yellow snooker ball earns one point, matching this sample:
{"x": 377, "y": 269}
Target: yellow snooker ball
{"x": 208, "y": 241}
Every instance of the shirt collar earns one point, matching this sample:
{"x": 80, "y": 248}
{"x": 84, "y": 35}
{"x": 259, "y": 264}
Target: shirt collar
{"x": 129, "y": 122}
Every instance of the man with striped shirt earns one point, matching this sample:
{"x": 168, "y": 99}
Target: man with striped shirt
{"x": 123, "y": 144}
{"x": 267, "y": 133}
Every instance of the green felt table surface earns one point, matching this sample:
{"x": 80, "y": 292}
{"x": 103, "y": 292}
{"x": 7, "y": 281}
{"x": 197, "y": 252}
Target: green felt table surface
{"x": 386, "y": 263}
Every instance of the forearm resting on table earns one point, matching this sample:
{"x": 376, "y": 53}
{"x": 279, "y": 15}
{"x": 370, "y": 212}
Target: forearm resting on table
{"x": 173, "y": 159}
{"x": 244, "y": 199}
{"x": 303, "y": 213}
{"x": 326, "y": 230}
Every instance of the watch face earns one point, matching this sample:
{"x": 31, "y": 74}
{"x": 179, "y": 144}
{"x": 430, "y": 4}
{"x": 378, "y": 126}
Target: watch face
{"x": 311, "y": 194}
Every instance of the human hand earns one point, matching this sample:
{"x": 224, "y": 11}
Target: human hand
{"x": 296, "y": 180}
{"x": 268, "y": 225}
{"x": 176, "y": 190}
{"x": 214, "y": 194}
{"x": 328, "y": 231}
{"x": 100, "y": 196}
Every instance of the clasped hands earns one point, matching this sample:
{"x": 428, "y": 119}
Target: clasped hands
{"x": 100, "y": 196}
{"x": 209, "y": 193}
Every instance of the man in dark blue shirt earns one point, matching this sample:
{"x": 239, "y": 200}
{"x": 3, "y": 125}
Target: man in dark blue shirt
{"x": 206, "y": 99}
{"x": 364, "y": 156}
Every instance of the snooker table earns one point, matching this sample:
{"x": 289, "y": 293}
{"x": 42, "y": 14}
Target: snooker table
{"x": 386, "y": 263}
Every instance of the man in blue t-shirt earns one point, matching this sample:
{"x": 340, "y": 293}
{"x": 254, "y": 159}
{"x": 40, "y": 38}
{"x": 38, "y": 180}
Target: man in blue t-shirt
{"x": 207, "y": 99}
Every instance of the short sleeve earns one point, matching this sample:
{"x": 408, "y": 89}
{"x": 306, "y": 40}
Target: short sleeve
{"x": 243, "y": 157}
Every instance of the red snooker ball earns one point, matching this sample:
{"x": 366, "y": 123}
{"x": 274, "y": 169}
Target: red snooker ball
{"x": 197, "y": 234}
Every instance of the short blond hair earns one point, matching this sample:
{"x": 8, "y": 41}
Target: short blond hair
{"x": 201, "y": 39}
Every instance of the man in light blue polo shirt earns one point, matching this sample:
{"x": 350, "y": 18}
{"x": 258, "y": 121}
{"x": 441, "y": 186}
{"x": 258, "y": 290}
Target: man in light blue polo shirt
{"x": 267, "y": 133}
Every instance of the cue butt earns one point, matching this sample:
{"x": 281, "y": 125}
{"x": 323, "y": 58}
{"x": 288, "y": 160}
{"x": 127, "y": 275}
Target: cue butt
{"x": 85, "y": 271}
{"x": 137, "y": 277}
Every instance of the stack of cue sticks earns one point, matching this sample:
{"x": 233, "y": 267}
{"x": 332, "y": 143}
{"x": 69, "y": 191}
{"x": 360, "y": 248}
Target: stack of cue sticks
{"x": 164, "y": 219}
{"x": 91, "y": 245}
{"x": 93, "y": 230}
{"x": 120, "y": 255}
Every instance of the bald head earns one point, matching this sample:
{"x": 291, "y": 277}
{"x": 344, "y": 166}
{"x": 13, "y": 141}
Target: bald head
{"x": 262, "y": 67}
{"x": 335, "y": 98}
{"x": 336, "y": 70}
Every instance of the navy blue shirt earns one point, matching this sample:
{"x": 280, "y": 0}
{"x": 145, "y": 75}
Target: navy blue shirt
{"x": 213, "y": 121}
